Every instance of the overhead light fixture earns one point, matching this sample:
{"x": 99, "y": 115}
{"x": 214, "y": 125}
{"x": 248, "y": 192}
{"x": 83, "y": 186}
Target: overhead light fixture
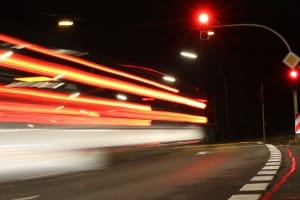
{"x": 65, "y": 23}
{"x": 188, "y": 54}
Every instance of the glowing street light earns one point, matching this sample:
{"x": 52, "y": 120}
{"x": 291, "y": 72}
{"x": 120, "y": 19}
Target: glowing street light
{"x": 188, "y": 54}
{"x": 65, "y": 23}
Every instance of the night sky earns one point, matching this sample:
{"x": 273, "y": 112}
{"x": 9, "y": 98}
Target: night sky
{"x": 152, "y": 34}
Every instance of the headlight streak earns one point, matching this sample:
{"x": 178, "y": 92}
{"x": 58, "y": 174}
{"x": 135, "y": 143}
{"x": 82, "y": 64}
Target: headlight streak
{"x": 51, "y": 69}
{"x": 77, "y": 60}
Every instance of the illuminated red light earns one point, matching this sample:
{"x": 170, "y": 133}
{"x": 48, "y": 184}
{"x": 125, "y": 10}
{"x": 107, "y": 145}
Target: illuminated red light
{"x": 203, "y": 18}
{"x": 293, "y": 74}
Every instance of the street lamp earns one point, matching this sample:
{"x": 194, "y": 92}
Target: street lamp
{"x": 193, "y": 56}
{"x": 188, "y": 54}
{"x": 65, "y": 23}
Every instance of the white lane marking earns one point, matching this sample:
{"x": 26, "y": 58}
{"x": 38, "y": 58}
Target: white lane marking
{"x": 276, "y": 153}
{"x": 274, "y": 160}
{"x": 270, "y": 167}
{"x": 262, "y": 178}
{"x": 275, "y": 157}
{"x": 27, "y": 198}
{"x": 245, "y": 197}
{"x": 273, "y": 163}
{"x": 255, "y": 187}
{"x": 202, "y": 153}
{"x": 274, "y": 150}
{"x": 267, "y": 172}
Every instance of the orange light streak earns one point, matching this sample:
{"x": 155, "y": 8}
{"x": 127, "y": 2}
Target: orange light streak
{"x": 77, "y": 60}
{"x": 64, "y": 98}
{"x": 52, "y": 119}
{"x": 158, "y": 115}
{"x": 51, "y": 69}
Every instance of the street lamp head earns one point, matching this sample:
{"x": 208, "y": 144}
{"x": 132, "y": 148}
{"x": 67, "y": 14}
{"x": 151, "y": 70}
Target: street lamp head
{"x": 188, "y": 54}
{"x": 65, "y": 23}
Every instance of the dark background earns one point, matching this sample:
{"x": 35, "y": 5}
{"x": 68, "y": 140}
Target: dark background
{"x": 152, "y": 34}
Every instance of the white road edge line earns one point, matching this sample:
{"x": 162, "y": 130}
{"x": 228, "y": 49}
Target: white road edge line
{"x": 267, "y": 172}
{"x": 273, "y": 163}
{"x": 262, "y": 178}
{"x": 270, "y": 167}
{"x": 255, "y": 187}
{"x": 245, "y": 197}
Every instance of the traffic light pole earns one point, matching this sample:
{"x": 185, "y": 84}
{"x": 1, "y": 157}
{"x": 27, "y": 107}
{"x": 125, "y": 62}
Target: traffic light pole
{"x": 257, "y": 26}
{"x": 295, "y": 94}
{"x": 295, "y": 100}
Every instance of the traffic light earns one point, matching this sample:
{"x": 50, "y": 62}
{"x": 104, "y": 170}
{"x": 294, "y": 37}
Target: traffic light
{"x": 203, "y": 18}
{"x": 294, "y": 74}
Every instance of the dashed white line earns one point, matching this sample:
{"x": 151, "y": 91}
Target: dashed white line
{"x": 275, "y": 157}
{"x": 27, "y": 198}
{"x": 265, "y": 175}
{"x": 245, "y": 197}
{"x": 273, "y": 163}
{"x": 267, "y": 172}
{"x": 255, "y": 187}
{"x": 274, "y": 160}
{"x": 262, "y": 178}
{"x": 270, "y": 167}
{"x": 276, "y": 153}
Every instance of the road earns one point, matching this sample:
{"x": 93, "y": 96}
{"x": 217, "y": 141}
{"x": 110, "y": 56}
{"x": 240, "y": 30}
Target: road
{"x": 190, "y": 172}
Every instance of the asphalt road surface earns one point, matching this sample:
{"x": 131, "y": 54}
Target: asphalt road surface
{"x": 227, "y": 171}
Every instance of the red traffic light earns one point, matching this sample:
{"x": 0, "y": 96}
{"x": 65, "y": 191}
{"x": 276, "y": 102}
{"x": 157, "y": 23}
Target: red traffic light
{"x": 203, "y": 18}
{"x": 293, "y": 74}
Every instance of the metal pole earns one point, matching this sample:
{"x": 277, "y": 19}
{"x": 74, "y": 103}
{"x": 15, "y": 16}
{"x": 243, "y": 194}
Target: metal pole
{"x": 263, "y": 110}
{"x": 295, "y": 100}
{"x": 226, "y": 100}
{"x": 258, "y": 26}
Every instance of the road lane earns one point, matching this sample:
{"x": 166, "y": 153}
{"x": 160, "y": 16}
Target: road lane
{"x": 177, "y": 173}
